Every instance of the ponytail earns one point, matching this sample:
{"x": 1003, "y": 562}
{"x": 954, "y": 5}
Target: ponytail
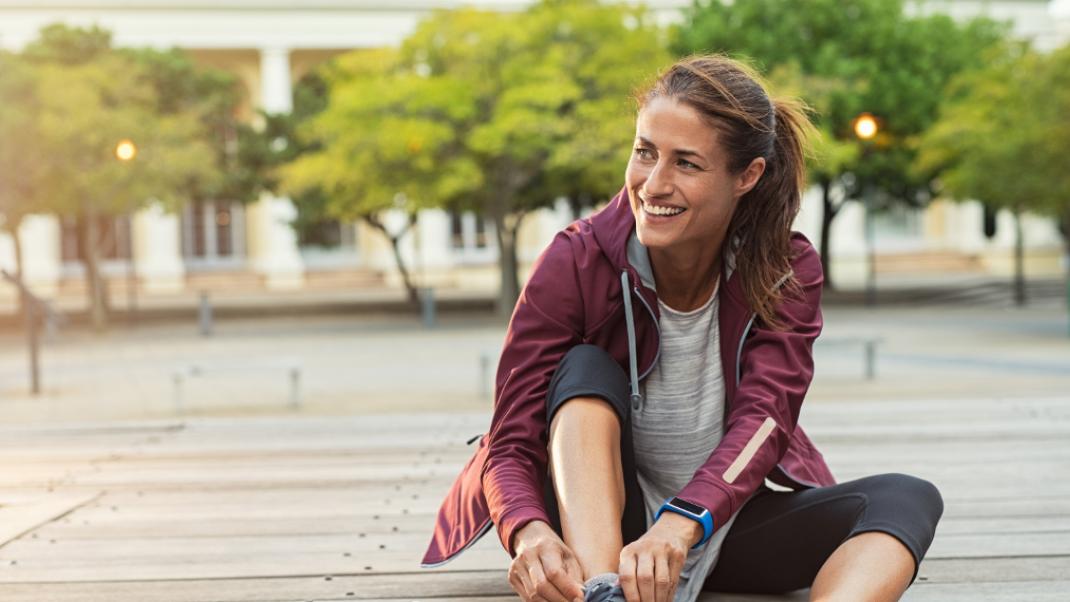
{"x": 762, "y": 221}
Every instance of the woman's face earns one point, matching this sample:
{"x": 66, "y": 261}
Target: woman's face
{"x": 681, "y": 191}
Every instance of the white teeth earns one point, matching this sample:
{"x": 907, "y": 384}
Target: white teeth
{"x": 656, "y": 210}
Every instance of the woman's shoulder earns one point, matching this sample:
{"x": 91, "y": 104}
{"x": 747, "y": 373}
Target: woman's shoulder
{"x": 572, "y": 278}
{"x": 805, "y": 261}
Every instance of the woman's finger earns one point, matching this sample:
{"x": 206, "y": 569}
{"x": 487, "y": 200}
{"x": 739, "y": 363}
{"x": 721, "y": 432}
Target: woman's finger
{"x": 543, "y": 587}
{"x": 676, "y": 566}
{"x": 628, "y": 583}
{"x": 520, "y": 574}
{"x": 644, "y": 574}
{"x": 575, "y": 571}
{"x": 568, "y": 586}
{"x": 663, "y": 578}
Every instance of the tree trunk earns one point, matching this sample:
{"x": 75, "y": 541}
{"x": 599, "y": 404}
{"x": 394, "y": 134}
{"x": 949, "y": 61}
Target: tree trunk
{"x": 1066, "y": 242}
{"x": 16, "y": 238}
{"x": 506, "y": 227}
{"x": 1019, "y": 260}
{"x": 399, "y": 261}
{"x": 96, "y": 288}
{"x": 828, "y": 213}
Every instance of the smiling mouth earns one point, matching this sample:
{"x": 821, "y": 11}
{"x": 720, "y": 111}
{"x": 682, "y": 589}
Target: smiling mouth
{"x": 661, "y": 210}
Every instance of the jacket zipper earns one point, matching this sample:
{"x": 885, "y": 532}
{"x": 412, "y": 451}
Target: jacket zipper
{"x": 657, "y": 329}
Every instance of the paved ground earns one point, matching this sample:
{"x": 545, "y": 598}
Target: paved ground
{"x": 347, "y": 365}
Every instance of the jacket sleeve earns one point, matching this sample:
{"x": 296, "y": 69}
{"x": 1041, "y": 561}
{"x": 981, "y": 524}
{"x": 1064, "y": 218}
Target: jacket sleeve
{"x": 775, "y": 372}
{"x": 546, "y": 323}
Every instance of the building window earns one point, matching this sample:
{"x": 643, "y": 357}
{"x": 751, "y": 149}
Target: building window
{"x": 113, "y": 238}
{"x": 468, "y": 231}
{"x": 326, "y": 234}
{"x": 212, "y": 232}
{"x": 472, "y": 238}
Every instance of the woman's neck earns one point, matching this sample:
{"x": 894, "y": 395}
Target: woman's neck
{"x": 685, "y": 280}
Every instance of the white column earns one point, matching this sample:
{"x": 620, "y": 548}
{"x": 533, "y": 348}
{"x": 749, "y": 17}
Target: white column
{"x": 272, "y": 241}
{"x": 158, "y": 250}
{"x": 41, "y": 246}
{"x": 848, "y": 242}
{"x": 965, "y": 226}
{"x": 808, "y": 220}
{"x": 434, "y": 231}
{"x": 276, "y": 89}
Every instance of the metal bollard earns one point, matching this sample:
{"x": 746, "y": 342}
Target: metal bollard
{"x": 205, "y": 315}
{"x": 484, "y": 375}
{"x": 871, "y": 360}
{"x": 295, "y": 387}
{"x": 427, "y": 306}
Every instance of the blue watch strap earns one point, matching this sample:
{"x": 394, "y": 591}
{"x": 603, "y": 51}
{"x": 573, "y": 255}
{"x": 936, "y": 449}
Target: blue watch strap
{"x": 705, "y": 519}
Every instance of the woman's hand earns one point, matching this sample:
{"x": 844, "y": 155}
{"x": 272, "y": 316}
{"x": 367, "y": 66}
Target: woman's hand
{"x": 544, "y": 569}
{"x": 650, "y": 566}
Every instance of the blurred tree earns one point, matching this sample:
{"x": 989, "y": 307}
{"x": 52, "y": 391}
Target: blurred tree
{"x": 850, "y": 57}
{"x": 22, "y": 162}
{"x": 495, "y": 113}
{"x": 381, "y": 141}
{"x": 89, "y": 98}
{"x": 1002, "y": 139}
{"x": 214, "y": 98}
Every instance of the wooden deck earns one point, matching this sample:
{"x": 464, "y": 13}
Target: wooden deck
{"x": 314, "y": 508}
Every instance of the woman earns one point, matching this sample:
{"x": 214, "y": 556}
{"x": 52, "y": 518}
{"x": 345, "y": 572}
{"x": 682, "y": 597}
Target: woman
{"x": 652, "y": 377}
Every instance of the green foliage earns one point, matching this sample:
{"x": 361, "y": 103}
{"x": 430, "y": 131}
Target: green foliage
{"x": 78, "y": 99}
{"x": 500, "y": 113}
{"x": 212, "y": 97}
{"x": 1003, "y": 136}
{"x": 495, "y": 112}
{"x": 851, "y": 56}
{"x": 22, "y": 160}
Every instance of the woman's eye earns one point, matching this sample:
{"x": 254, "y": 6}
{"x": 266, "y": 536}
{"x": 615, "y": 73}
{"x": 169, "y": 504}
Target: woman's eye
{"x": 687, "y": 164}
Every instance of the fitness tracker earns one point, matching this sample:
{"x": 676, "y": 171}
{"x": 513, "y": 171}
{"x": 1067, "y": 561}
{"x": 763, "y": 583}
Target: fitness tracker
{"x": 692, "y": 511}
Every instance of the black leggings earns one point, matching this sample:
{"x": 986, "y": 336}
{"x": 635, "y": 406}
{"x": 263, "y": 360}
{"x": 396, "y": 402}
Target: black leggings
{"x": 780, "y": 539}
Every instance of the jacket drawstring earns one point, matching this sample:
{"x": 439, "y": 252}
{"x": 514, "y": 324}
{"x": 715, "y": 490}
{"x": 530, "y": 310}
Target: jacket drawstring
{"x": 633, "y": 368}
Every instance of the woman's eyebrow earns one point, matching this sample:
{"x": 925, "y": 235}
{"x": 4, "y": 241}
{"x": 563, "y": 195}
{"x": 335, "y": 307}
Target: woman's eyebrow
{"x": 677, "y": 151}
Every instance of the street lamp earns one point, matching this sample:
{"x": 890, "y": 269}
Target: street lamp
{"x": 125, "y": 152}
{"x": 866, "y": 128}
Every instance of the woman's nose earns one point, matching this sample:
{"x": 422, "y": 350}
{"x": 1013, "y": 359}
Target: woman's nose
{"x": 658, "y": 182}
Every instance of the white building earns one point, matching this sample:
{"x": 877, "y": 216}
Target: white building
{"x": 270, "y": 44}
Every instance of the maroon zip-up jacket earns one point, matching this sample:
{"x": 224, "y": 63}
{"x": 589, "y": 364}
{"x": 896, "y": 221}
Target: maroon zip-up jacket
{"x": 576, "y": 294}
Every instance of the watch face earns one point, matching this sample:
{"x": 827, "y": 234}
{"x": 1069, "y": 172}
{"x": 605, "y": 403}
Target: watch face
{"x": 692, "y": 508}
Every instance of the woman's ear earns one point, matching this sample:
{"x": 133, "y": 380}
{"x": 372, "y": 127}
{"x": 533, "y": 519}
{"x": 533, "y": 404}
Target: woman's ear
{"x": 750, "y": 176}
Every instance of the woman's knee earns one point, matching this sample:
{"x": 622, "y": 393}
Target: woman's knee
{"x": 588, "y": 373}
{"x": 912, "y": 491}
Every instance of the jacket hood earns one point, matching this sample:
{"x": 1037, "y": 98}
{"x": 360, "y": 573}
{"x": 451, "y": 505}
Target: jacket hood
{"x": 614, "y": 229}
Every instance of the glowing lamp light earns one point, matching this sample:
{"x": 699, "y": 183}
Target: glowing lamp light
{"x": 126, "y": 150}
{"x": 866, "y": 126}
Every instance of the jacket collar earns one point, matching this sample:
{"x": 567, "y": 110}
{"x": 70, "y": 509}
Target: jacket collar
{"x": 614, "y": 229}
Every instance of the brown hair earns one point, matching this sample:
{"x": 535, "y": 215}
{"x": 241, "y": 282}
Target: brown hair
{"x": 750, "y": 124}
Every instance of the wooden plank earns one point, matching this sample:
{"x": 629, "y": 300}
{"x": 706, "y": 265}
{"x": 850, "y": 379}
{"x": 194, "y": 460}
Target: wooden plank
{"x": 994, "y": 569}
{"x": 267, "y": 509}
{"x": 1008, "y": 591}
{"x": 20, "y": 518}
{"x": 324, "y": 587}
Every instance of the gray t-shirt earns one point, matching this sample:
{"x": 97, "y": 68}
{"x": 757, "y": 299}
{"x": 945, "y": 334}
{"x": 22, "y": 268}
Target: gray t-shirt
{"x": 681, "y": 421}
